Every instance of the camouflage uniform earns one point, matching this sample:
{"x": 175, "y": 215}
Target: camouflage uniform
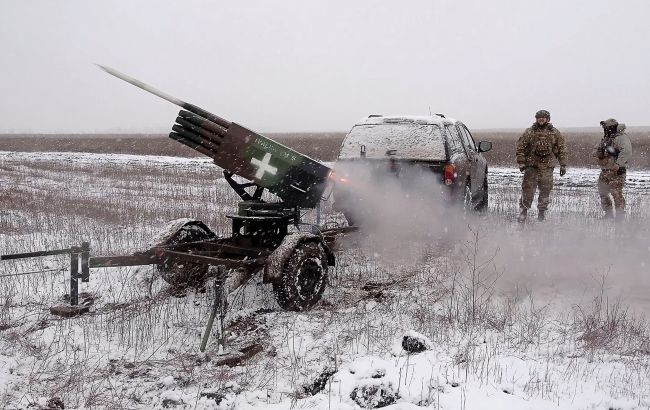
{"x": 537, "y": 150}
{"x": 611, "y": 181}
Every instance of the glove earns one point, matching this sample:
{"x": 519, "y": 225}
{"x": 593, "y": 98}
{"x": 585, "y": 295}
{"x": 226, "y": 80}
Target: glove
{"x": 562, "y": 171}
{"x": 522, "y": 169}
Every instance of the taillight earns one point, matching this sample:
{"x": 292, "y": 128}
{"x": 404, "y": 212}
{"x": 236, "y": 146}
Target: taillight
{"x": 334, "y": 177}
{"x": 450, "y": 174}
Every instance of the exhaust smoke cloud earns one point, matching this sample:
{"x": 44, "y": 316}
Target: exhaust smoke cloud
{"x": 571, "y": 255}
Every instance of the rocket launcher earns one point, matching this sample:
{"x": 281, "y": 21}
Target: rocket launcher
{"x": 296, "y": 179}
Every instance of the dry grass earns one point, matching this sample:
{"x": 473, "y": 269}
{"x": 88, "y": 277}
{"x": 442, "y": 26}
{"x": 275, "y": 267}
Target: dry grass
{"x": 116, "y": 356}
{"x": 579, "y": 145}
{"x": 321, "y": 146}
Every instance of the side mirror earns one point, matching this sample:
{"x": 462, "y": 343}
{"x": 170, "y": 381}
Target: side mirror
{"x": 484, "y": 146}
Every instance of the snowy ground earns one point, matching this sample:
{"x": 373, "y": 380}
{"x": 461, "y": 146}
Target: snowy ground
{"x": 535, "y": 317}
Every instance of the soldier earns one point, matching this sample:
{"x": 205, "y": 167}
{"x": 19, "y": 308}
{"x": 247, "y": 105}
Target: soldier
{"x": 613, "y": 154}
{"x": 537, "y": 150}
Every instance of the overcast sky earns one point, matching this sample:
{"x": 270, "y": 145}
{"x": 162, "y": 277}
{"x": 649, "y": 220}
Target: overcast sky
{"x": 303, "y": 65}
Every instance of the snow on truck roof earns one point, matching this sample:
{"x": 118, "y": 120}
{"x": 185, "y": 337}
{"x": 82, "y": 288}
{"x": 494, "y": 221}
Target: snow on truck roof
{"x": 404, "y": 136}
{"x": 438, "y": 119}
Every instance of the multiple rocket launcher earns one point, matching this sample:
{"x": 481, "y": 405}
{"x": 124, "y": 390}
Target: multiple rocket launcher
{"x": 259, "y": 228}
{"x": 296, "y": 179}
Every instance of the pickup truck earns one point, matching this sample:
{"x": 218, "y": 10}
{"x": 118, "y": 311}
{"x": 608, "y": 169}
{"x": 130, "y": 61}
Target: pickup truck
{"x": 405, "y": 146}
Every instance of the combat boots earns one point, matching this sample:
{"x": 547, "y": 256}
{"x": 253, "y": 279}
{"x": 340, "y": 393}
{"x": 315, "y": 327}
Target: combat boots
{"x": 541, "y": 214}
{"x": 522, "y": 215}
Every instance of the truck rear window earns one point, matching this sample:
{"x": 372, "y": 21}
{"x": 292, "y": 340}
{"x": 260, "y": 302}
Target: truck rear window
{"x": 407, "y": 140}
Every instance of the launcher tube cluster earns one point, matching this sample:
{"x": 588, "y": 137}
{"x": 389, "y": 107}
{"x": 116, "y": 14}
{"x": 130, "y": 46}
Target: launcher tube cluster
{"x": 296, "y": 179}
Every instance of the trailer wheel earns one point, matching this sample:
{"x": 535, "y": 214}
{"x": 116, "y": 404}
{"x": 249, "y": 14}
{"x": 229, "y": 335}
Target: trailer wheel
{"x": 182, "y": 273}
{"x": 304, "y": 277}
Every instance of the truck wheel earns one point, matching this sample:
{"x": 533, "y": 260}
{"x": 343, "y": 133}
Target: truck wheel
{"x": 304, "y": 277}
{"x": 467, "y": 197}
{"x": 182, "y": 273}
{"x": 483, "y": 205}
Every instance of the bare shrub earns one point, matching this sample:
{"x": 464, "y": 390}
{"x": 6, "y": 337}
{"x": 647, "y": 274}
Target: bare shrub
{"x": 472, "y": 288}
{"x": 606, "y": 324}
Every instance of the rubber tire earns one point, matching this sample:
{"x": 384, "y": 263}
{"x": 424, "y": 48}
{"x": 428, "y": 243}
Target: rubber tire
{"x": 483, "y": 205}
{"x": 185, "y": 274}
{"x": 304, "y": 278}
{"x": 467, "y": 197}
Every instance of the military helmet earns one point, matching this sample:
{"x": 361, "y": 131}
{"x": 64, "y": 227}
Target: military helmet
{"x": 610, "y": 127}
{"x": 610, "y": 122}
{"x": 543, "y": 114}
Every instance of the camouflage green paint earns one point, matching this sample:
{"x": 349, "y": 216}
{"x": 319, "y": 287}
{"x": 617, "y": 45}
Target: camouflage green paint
{"x": 297, "y": 179}
{"x": 280, "y": 159}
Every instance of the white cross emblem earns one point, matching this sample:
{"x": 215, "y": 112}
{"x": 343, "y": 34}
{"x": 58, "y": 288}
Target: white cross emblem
{"x": 264, "y": 166}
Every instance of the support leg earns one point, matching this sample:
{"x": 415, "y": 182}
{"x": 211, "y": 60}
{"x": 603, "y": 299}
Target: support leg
{"x": 74, "y": 276}
{"x": 219, "y": 307}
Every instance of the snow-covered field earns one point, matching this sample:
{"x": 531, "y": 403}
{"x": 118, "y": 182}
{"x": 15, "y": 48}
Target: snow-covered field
{"x": 542, "y": 316}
